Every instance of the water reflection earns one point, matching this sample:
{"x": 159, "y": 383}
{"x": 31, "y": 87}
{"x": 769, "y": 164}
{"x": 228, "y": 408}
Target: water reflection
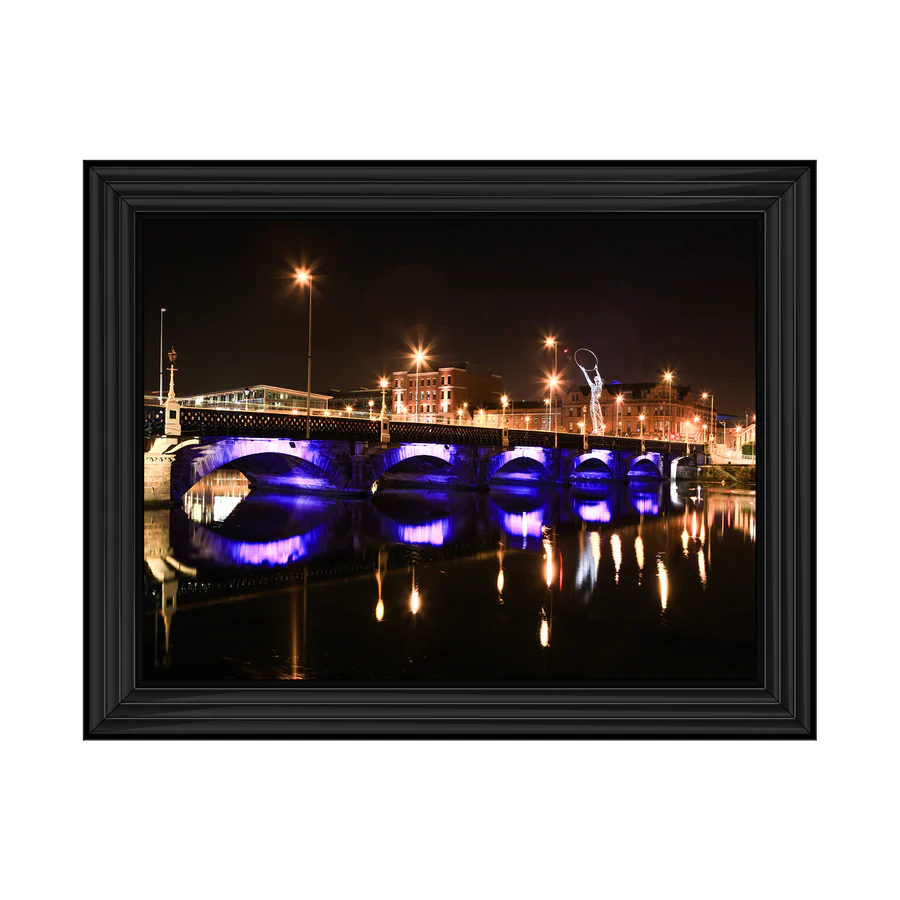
{"x": 245, "y": 584}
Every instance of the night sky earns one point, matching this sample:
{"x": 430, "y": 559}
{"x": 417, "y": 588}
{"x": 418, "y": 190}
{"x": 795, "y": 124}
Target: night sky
{"x": 643, "y": 296}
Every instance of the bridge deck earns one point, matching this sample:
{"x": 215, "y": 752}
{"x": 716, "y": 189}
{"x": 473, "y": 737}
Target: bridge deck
{"x": 231, "y": 423}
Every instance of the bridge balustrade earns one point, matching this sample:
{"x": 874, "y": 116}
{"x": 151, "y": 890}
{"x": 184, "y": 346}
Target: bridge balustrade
{"x": 237, "y": 423}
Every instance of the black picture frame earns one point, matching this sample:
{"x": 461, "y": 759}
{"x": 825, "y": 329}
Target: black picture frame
{"x": 120, "y": 196}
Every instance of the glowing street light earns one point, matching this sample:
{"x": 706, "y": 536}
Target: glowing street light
{"x": 668, "y": 376}
{"x": 419, "y": 357}
{"x": 349, "y": 410}
{"x": 527, "y": 420}
{"x": 619, "y": 400}
{"x": 302, "y": 276}
{"x": 504, "y": 402}
{"x": 641, "y": 419}
{"x": 547, "y": 404}
{"x": 553, "y": 382}
{"x": 371, "y": 408}
{"x": 548, "y": 343}
{"x": 712, "y": 407}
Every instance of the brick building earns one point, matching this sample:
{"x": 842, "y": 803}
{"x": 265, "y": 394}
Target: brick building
{"x": 674, "y": 413}
{"x": 439, "y": 392}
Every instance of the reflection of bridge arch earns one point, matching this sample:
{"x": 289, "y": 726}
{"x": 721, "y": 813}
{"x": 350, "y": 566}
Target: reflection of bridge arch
{"x": 645, "y": 465}
{"x": 594, "y": 463}
{"x": 384, "y": 460}
{"x": 536, "y": 455}
{"x": 274, "y": 462}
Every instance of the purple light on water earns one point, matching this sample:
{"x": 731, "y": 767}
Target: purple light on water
{"x": 526, "y": 524}
{"x": 434, "y": 533}
{"x": 269, "y": 553}
{"x": 594, "y": 511}
{"x": 646, "y": 506}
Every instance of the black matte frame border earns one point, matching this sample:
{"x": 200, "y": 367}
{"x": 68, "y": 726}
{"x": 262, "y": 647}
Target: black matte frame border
{"x": 780, "y": 196}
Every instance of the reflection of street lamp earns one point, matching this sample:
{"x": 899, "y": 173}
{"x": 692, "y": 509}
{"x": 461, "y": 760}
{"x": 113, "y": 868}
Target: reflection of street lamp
{"x": 303, "y": 277}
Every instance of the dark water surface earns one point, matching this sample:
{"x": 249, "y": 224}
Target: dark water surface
{"x": 538, "y": 584}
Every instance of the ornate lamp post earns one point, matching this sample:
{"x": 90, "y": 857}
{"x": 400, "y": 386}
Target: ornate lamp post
{"x": 420, "y": 358}
{"x": 172, "y": 408}
{"x": 643, "y": 448}
{"x": 619, "y": 400}
{"x": 583, "y": 423}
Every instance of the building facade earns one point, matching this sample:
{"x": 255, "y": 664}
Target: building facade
{"x": 443, "y": 393}
{"x": 258, "y": 398}
{"x": 670, "y": 413}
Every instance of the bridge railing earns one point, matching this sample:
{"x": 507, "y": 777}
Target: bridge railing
{"x": 237, "y": 423}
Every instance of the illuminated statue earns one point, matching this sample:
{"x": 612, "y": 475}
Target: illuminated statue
{"x": 595, "y": 382}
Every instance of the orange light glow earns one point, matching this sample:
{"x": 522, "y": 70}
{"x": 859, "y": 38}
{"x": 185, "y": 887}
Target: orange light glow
{"x": 301, "y": 276}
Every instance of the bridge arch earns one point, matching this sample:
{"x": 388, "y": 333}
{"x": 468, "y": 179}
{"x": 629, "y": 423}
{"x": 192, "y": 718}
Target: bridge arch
{"x": 674, "y": 463}
{"x": 274, "y": 462}
{"x": 645, "y": 465}
{"x": 453, "y": 468}
{"x": 594, "y": 464}
{"x": 524, "y": 459}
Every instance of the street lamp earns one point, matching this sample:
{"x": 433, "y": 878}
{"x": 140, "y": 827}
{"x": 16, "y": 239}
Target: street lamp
{"x": 668, "y": 376}
{"x": 383, "y": 385}
{"x": 527, "y": 420}
{"x": 547, "y": 404}
{"x": 372, "y": 407}
{"x": 161, "y": 312}
{"x": 504, "y": 402}
{"x": 641, "y": 419}
{"x": 302, "y": 277}
{"x": 419, "y": 357}
{"x": 552, "y": 342}
{"x": 554, "y": 381}
{"x": 348, "y": 410}
{"x": 619, "y": 400}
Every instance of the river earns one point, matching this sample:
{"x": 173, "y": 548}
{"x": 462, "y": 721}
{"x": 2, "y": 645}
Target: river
{"x": 539, "y": 585}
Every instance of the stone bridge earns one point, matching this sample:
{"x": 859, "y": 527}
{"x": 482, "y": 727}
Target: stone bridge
{"x": 348, "y": 456}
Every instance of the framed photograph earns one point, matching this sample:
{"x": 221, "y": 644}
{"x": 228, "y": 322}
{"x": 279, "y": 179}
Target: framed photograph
{"x": 449, "y": 450}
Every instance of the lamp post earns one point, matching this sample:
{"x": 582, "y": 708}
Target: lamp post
{"x": 172, "y": 409}
{"x": 547, "y": 404}
{"x": 303, "y": 277}
{"x": 527, "y": 420}
{"x": 372, "y": 410}
{"x": 385, "y": 434}
{"x": 504, "y": 401}
{"x": 641, "y": 419}
{"x": 583, "y": 423}
{"x": 668, "y": 377}
{"x": 420, "y": 358}
{"x": 552, "y": 342}
{"x": 619, "y": 400}
{"x": 553, "y": 383}
{"x": 161, "y": 313}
